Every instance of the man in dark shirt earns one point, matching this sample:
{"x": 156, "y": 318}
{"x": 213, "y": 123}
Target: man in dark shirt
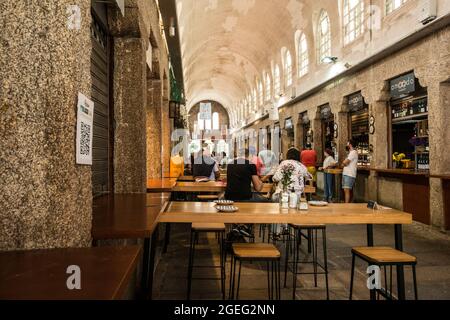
{"x": 205, "y": 167}
{"x": 241, "y": 174}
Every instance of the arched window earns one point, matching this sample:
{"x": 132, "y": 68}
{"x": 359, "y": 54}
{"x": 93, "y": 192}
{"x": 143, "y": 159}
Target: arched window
{"x": 200, "y": 123}
{"x": 255, "y": 100}
{"x": 268, "y": 83}
{"x": 353, "y": 20}
{"x": 260, "y": 93}
{"x": 208, "y": 124}
{"x": 288, "y": 69}
{"x": 323, "y": 37}
{"x": 302, "y": 59}
{"x": 276, "y": 80}
{"x": 392, "y": 5}
{"x": 215, "y": 121}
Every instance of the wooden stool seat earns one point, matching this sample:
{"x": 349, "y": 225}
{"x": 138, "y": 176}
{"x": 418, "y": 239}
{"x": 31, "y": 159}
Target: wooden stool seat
{"x": 256, "y": 251}
{"x": 208, "y": 197}
{"x": 208, "y": 227}
{"x": 383, "y": 255}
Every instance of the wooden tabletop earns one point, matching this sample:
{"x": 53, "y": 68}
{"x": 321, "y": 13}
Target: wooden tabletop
{"x": 220, "y": 186}
{"x": 210, "y": 186}
{"x": 121, "y": 216}
{"x": 189, "y": 212}
{"x": 41, "y": 274}
{"x": 161, "y": 185}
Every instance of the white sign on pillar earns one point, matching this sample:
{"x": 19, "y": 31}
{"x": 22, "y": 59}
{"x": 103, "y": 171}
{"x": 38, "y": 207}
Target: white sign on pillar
{"x": 85, "y": 124}
{"x": 121, "y": 5}
{"x": 205, "y": 111}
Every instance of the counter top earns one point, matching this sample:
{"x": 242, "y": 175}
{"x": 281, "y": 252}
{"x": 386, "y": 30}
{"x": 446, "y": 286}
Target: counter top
{"x": 121, "y": 216}
{"x": 41, "y": 274}
{"x": 410, "y": 172}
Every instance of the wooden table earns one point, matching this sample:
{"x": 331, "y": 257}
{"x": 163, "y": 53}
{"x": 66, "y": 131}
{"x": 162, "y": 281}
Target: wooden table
{"x": 210, "y": 186}
{"x": 161, "y": 185}
{"x": 219, "y": 186}
{"x": 267, "y": 213}
{"x": 41, "y": 274}
{"x": 131, "y": 216}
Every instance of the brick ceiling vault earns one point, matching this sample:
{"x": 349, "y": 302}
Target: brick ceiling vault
{"x": 227, "y": 44}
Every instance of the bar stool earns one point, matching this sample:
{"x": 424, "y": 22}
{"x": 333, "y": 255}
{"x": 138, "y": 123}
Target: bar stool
{"x": 257, "y": 252}
{"x": 384, "y": 256}
{"x": 196, "y": 229}
{"x": 312, "y": 247}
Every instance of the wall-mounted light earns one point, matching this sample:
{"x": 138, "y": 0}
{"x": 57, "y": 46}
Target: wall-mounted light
{"x": 329, "y": 60}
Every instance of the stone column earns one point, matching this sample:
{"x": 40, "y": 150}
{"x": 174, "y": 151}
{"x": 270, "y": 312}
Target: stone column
{"x": 130, "y": 115}
{"x": 318, "y": 137}
{"x": 166, "y": 137}
{"x": 343, "y": 134}
{"x": 154, "y": 107}
{"x": 438, "y": 120}
{"x": 379, "y": 140}
{"x": 45, "y": 197}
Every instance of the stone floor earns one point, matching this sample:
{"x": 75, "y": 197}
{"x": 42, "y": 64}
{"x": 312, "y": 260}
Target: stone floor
{"x": 431, "y": 248}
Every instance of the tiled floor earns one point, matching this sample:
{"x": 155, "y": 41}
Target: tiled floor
{"x": 432, "y": 250}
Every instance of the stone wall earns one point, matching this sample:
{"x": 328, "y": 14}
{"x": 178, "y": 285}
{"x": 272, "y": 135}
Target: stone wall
{"x": 224, "y": 119}
{"x": 430, "y": 60}
{"x": 45, "y": 198}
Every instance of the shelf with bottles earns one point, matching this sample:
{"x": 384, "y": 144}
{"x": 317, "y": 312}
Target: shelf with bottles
{"x": 408, "y": 109}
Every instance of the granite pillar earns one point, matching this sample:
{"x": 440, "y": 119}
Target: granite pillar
{"x": 45, "y": 197}
{"x": 130, "y": 89}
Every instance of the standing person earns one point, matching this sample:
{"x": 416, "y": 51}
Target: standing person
{"x": 350, "y": 165}
{"x": 309, "y": 160}
{"x": 241, "y": 174}
{"x": 328, "y": 163}
{"x": 224, "y": 160}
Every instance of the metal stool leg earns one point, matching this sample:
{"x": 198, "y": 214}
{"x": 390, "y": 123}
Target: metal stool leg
{"x": 268, "y": 279}
{"x": 314, "y": 253}
{"x": 239, "y": 280}
{"x": 351, "y": 277}
{"x": 325, "y": 260}
{"x": 191, "y": 264}
{"x": 286, "y": 261}
{"x": 295, "y": 261}
{"x": 415, "y": 282}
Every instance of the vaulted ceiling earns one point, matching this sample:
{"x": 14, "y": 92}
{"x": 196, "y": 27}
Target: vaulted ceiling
{"x": 227, "y": 44}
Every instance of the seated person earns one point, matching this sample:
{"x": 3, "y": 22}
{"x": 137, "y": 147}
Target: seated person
{"x": 300, "y": 172}
{"x": 205, "y": 167}
{"x": 241, "y": 174}
{"x": 256, "y": 161}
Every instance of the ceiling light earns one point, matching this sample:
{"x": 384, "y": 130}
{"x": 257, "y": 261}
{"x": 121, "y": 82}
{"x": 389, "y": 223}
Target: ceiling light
{"x": 329, "y": 60}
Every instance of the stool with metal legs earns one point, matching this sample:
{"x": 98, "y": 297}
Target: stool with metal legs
{"x": 218, "y": 228}
{"x": 384, "y": 257}
{"x": 313, "y": 237}
{"x": 263, "y": 252}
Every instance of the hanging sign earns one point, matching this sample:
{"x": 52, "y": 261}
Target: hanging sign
{"x": 403, "y": 85}
{"x": 355, "y": 102}
{"x": 85, "y": 122}
{"x": 325, "y": 112}
{"x": 273, "y": 113}
{"x": 205, "y": 111}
